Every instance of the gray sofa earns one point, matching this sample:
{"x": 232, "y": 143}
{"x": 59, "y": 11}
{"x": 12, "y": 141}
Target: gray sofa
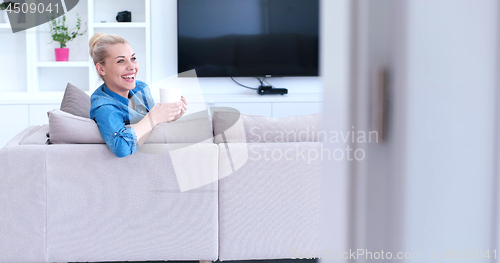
{"x": 245, "y": 193}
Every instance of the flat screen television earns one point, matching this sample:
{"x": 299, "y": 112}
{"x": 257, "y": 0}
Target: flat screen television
{"x": 248, "y": 38}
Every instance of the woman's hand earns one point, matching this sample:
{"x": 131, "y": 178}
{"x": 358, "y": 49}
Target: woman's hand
{"x": 183, "y": 109}
{"x": 165, "y": 112}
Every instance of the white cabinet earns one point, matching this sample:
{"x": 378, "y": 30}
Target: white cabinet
{"x": 15, "y": 118}
{"x": 270, "y": 106}
{"x": 272, "y": 109}
{"x": 282, "y": 109}
{"x": 263, "y": 109}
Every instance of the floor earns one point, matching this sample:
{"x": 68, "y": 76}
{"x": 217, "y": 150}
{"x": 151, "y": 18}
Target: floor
{"x": 230, "y": 261}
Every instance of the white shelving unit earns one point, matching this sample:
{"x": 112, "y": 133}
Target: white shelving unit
{"x": 42, "y": 67}
{"x": 121, "y": 25}
{"x": 69, "y": 64}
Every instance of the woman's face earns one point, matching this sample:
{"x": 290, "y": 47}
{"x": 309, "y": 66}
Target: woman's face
{"x": 120, "y": 70}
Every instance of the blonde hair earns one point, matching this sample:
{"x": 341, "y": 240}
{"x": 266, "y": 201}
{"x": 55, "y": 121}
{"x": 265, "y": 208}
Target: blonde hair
{"x": 98, "y": 46}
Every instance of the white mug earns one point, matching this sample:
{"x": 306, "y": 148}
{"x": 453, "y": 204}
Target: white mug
{"x": 169, "y": 95}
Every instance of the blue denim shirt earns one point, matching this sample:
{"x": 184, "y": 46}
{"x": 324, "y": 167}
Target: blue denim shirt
{"x": 112, "y": 112}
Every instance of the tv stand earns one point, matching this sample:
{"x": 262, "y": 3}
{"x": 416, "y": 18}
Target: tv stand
{"x": 268, "y": 90}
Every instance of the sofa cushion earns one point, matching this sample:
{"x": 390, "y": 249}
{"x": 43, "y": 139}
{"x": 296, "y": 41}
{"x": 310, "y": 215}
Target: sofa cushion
{"x": 270, "y": 207}
{"x": 67, "y": 128}
{"x": 76, "y": 102}
{"x": 241, "y": 128}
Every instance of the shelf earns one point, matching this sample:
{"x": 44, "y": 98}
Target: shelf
{"x": 44, "y": 77}
{"x": 15, "y": 25}
{"x": 55, "y": 64}
{"x": 120, "y": 25}
{"x": 254, "y": 97}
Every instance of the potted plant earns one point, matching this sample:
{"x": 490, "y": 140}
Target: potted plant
{"x": 61, "y": 34}
{"x": 3, "y": 8}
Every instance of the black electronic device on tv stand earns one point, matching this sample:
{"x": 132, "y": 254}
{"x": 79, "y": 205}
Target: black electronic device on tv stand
{"x": 268, "y": 90}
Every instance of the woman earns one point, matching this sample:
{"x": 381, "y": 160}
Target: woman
{"x": 122, "y": 99}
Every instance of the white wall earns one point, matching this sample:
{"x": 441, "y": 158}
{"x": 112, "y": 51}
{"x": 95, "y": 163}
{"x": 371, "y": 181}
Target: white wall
{"x": 452, "y": 51}
{"x": 13, "y": 53}
{"x": 335, "y": 63}
{"x": 164, "y": 58}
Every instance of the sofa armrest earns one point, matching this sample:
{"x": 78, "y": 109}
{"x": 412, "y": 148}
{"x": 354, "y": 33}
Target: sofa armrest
{"x": 20, "y": 136}
{"x": 22, "y": 201}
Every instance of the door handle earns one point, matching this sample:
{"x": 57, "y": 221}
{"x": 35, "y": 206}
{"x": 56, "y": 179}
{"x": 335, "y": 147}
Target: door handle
{"x": 380, "y": 102}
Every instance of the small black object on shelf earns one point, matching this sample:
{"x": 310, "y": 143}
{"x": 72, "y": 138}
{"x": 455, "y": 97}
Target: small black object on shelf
{"x": 124, "y": 16}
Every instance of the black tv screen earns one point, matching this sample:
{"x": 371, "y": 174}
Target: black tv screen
{"x": 248, "y": 38}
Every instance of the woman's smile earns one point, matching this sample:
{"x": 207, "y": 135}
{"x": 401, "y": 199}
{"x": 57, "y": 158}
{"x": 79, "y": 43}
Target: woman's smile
{"x": 129, "y": 78}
